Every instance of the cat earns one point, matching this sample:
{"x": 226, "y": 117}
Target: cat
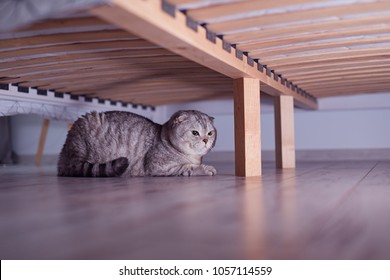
{"x": 123, "y": 144}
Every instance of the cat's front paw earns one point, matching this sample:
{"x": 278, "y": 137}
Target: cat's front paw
{"x": 187, "y": 172}
{"x": 198, "y": 170}
{"x": 209, "y": 170}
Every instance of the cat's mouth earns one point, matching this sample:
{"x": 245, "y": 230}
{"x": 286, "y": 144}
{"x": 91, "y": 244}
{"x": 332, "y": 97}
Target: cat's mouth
{"x": 200, "y": 148}
{"x": 205, "y": 148}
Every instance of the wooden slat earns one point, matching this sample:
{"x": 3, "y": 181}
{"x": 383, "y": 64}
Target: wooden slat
{"x": 247, "y": 127}
{"x": 353, "y": 84}
{"x": 163, "y": 97}
{"x": 275, "y": 41}
{"x": 344, "y": 84}
{"x": 326, "y": 56}
{"x": 318, "y": 46}
{"x": 79, "y": 47}
{"x": 337, "y": 62}
{"x": 161, "y": 91}
{"x": 161, "y": 100}
{"x": 207, "y": 13}
{"x": 62, "y": 38}
{"x": 350, "y": 81}
{"x": 143, "y": 78}
{"x": 104, "y": 68}
{"x": 185, "y": 93}
{"x": 37, "y": 80}
{"x": 351, "y": 90}
{"x": 355, "y": 88}
{"x": 172, "y": 85}
{"x": 100, "y": 79}
{"x": 129, "y": 63}
{"x": 346, "y": 81}
{"x": 64, "y": 23}
{"x": 241, "y": 37}
{"x": 144, "y": 18}
{"x": 106, "y": 82}
{"x": 130, "y": 94}
{"x": 376, "y": 49}
{"x": 337, "y": 91}
{"x": 107, "y": 70}
{"x": 301, "y": 72}
{"x": 136, "y": 56}
{"x": 368, "y": 71}
{"x": 148, "y": 84}
{"x": 299, "y": 15}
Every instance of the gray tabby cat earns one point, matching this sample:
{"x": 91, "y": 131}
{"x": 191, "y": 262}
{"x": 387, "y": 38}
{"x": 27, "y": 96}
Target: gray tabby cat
{"x": 125, "y": 144}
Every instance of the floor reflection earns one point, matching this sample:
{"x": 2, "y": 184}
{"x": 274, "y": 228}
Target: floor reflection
{"x": 253, "y": 219}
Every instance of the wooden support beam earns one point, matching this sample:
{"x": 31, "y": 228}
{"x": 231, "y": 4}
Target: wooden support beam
{"x": 42, "y": 140}
{"x": 284, "y": 132}
{"x": 247, "y": 127}
{"x": 171, "y": 31}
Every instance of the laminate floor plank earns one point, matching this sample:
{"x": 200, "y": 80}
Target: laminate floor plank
{"x": 360, "y": 225}
{"x": 299, "y": 205}
{"x": 299, "y": 213}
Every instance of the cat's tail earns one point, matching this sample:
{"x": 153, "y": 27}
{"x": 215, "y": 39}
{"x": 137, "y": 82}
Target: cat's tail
{"x": 114, "y": 168}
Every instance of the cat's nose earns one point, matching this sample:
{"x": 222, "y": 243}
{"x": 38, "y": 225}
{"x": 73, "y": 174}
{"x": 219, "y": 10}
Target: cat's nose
{"x": 205, "y": 140}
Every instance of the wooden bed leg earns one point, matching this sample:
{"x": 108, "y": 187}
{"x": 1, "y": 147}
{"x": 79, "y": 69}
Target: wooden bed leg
{"x": 42, "y": 140}
{"x": 247, "y": 127}
{"x": 284, "y": 132}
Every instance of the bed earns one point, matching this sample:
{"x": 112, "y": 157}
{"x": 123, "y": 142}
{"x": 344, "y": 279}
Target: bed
{"x": 153, "y": 52}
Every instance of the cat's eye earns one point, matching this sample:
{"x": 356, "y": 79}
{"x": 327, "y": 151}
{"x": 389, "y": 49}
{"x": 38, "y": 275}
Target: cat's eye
{"x": 210, "y": 133}
{"x": 196, "y": 133}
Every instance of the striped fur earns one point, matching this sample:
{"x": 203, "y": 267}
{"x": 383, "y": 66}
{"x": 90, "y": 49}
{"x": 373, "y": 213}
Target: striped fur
{"x": 114, "y": 168}
{"x": 125, "y": 144}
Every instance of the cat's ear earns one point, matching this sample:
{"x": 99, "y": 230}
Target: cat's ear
{"x": 180, "y": 117}
{"x": 211, "y": 119}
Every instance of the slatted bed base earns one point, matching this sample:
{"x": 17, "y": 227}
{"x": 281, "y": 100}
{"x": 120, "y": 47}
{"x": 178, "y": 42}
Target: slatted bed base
{"x": 159, "y": 52}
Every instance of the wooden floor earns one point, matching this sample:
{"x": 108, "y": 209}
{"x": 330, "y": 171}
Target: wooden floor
{"x": 331, "y": 210}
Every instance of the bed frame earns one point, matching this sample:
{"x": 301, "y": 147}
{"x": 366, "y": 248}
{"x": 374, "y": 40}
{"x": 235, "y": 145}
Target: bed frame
{"x": 154, "y": 52}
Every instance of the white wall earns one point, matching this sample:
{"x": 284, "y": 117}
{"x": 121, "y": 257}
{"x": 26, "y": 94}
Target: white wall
{"x": 363, "y": 122}
{"x": 351, "y": 129}
{"x": 25, "y": 133}
{"x": 357, "y": 125}
{"x": 26, "y": 129}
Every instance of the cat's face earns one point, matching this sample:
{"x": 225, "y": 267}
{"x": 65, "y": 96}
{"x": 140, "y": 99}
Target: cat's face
{"x": 193, "y": 132}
